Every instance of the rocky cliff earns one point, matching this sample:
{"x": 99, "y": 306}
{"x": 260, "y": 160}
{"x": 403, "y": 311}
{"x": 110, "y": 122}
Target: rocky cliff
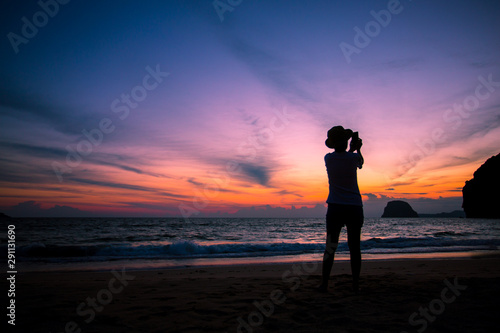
{"x": 399, "y": 208}
{"x": 481, "y": 194}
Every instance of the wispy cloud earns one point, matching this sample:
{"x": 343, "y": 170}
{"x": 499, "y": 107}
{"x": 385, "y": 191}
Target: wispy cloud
{"x": 115, "y": 185}
{"x": 258, "y": 173}
{"x": 272, "y": 70}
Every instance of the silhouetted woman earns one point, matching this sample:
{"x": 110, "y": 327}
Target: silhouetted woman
{"x": 344, "y": 200}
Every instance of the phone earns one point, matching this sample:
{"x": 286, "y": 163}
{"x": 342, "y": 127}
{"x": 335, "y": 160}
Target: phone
{"x": 355, "y": 141}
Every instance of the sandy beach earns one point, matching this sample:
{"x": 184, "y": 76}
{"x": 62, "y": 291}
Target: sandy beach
{"x": 450, "y": 295}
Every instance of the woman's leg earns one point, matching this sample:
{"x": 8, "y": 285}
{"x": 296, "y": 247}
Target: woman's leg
{"x": 332, "y": 242}
{"x": 354, "y": 243}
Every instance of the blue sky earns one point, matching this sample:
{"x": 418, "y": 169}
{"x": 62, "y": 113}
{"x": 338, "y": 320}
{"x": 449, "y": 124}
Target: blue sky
{"x": 228, "y": 81}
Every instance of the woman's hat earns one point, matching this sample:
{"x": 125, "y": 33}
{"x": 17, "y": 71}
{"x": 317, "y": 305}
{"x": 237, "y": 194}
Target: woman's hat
{"x": 336, "y": 135}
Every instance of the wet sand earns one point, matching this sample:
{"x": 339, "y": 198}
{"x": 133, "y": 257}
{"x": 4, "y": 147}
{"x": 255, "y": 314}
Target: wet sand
{"x": 441, "y": 295}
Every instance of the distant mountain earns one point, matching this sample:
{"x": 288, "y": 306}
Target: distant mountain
{"x": 4, "y": 217}
{"x": 481, "y": 194}
{"x": 455, "y": 213}
{"x": 34, "y": 209}
{"x": 399, "y": 208}
{"x": 267, "y": 211}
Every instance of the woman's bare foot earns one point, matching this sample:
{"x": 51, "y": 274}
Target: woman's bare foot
{"x": 355, "y": 287}
{"x": 322, "y": 288}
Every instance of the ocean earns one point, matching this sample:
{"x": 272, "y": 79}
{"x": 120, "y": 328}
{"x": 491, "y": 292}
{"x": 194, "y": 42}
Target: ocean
{"x": 48, "y": 244}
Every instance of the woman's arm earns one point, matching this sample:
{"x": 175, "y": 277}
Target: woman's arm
{"x": 356, "y": 146}
{"x": 362, "y": 160}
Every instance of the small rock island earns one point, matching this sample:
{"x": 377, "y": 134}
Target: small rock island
{"x": 399, "y": 208}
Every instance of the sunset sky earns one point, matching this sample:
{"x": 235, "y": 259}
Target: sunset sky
{"x": 165, "y": 108}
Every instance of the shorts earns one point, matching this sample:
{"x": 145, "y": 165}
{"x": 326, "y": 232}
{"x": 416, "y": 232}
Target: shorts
{"x": 339, "y": 215}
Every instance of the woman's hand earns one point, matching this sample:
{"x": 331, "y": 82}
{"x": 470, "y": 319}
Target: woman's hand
{"x": 355, "y": 145}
